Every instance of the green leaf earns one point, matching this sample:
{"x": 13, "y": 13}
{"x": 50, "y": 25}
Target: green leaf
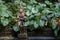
{"x": 35, "y": 25}
{"x": 29, "y": 7}
{"x": 32, "y": 1}
{"x": 28, "y": 13}
{"x": 41, "y": 23}
{"x": 32, "y": 22}
{"x": 50, "y": 16}
{"x": 34, "y": 10}
{"x": 46, "y": 11}
{"x": 4, "y": 21}
{"x": 56, "y": 32}
{"x": 48, "y": 3}
{"x": 37, "y": 14}
{"x": 31, "y": 16}
{"x": 57, "y": 14}
{"x": 41, "y": 5}
{"x": 9, "y": 13}
{"x": 1, "y": 2}
{"x": 26, "y": 23}
{"x": 57, "y": 7}
{"x": 44, "y": 17}
{"x": 4, "y": 7}
{"x": 4, "y": 14}
{"x": 54, "y": 25}
{"x": 17, "y": 2}
{"x": 16, "y": 28}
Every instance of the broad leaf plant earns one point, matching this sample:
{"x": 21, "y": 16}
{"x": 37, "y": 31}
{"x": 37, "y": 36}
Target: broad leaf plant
{"x": 38, "y": 14}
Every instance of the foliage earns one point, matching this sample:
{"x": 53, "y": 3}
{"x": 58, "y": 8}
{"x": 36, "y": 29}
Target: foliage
{"x": 5, "y": 14}
{"x": 37, "y": 14}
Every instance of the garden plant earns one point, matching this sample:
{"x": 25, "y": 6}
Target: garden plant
{"x": 38, "y": 14}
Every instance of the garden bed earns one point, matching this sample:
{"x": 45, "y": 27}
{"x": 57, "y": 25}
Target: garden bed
{"x": 42, "y": 18}
{"x": 41, "y": 32}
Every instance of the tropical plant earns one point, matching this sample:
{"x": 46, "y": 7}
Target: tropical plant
{"x": 38, "y": 14}
{"x": 6, "y": 15}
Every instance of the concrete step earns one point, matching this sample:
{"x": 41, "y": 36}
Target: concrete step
{"x": 7, "y": 38}
{"x": 41, "y": 38}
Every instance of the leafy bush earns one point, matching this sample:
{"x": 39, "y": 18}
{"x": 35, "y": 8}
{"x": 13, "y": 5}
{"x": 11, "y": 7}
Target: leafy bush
{"x": 5, "y": 14}
{"x": 38, "y": 14}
